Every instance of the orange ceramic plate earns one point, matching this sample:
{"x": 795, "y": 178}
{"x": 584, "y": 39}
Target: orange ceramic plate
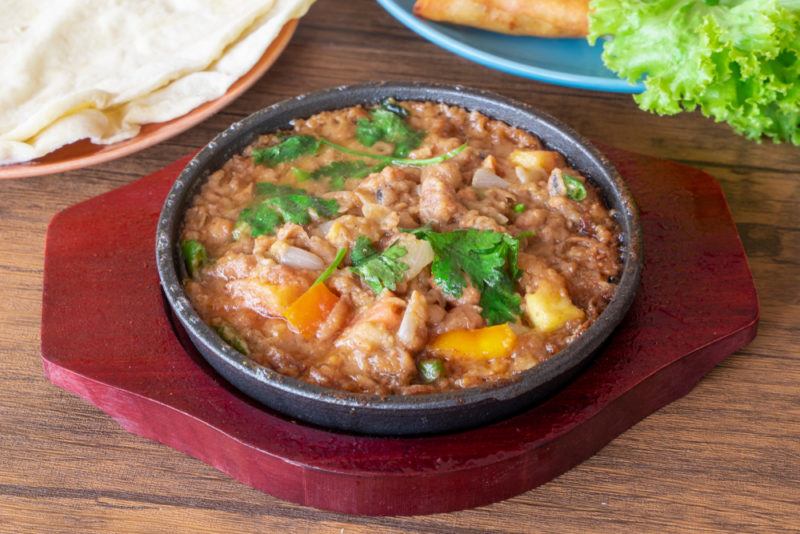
{"x": 85, "y": 153}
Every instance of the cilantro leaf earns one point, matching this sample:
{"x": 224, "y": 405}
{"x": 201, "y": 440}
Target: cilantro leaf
{"x": 362, "y": 251}
{"x": 387, "y": 123}
{"x": 500, "y": 303}
{"x": 300, "y": 175}
{"x": 261, "y": 219}
{"x": 287, "y": 150}
{"x": 340, "y": 254}
{"x": 490, "y": 259}
{"x": 292, "y": 208}
{"x": 348, "y": 169}
{"x": 280, "y": 204}
{"x": 339, "y": 171}
{"x": 390, "y": 104}
{"x": 294, "y": 203}
{"x": 394, "y": 160}
{"x": 272, "y": 190}
{"x": 300, "y": 145}
{"x": 379, "y": 270}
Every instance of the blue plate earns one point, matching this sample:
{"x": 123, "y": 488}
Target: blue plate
{"x": 567, "y": 62}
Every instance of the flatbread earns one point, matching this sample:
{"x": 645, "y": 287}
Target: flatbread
{"x": 542, "y": 18}
{"x": 99, "y": 69}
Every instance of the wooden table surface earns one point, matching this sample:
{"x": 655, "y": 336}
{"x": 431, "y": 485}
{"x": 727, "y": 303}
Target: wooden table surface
{"x": 724, "y": 458}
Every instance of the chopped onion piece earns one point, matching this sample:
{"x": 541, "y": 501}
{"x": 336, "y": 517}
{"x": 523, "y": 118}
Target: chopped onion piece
{"x": 484, "y": 179}
{"x": 411, "y": 332}
{"x": 419, "y": 254}
{"x": 296, "y": 257}
{"x": 406, "y": 330}
{"x": 325, "y": 227}
{"x": 555, "y": 185}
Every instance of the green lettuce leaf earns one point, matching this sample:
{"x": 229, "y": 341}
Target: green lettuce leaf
{"x": 737, "y": 61}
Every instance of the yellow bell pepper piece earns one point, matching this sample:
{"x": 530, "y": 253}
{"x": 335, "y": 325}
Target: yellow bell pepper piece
{"x": 265, "y": 298}
{"x": 308, "y": 312}
{"x": 478, "y": 344}
{"x": 549, "y": 307}
{"x": 280, "y": 297}
{"x": 546, "y": 160}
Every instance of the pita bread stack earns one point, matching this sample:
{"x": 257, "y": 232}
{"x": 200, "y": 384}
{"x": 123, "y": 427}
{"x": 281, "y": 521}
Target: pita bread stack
{"x": 99, "y": 69}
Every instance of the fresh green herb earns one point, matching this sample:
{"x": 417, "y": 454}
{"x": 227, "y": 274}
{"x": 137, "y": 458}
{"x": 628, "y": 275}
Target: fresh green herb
{"x": 390, "y": 104}
{"x": 257, "y": 220}
{"x": 346, "y": 169}
{"x": 500, "y": 303}
{"x": 430, "y": 369}
{"x": 337, "y": 183}
{"x": 379, "y": 270}
{"x": 281, "y": 204}
{"x": 524, "y": 234}
{"x": 391, "y": 160}
{"x": 240, "y": 228}
{"x": 519, "y": 208}
{"x": 301, "y": 175}
{"x": 288, "y": 149}
{"x": 232, "y": 338}
{"x": 575, "y": 188}
{"x": 490, "y": 259}
{"x": 294, "y": 204}
{"x": 194, "y": 255}
{"x": 342, "y": 252}
{"x": 339, "y": 171}
{"x": 293, "y": 147}
{"x": 275, "y": 190}
{"x": 387, "y": 123}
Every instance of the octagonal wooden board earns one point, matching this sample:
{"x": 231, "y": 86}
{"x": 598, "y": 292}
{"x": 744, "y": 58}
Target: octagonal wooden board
{"x": 107, "y": 337}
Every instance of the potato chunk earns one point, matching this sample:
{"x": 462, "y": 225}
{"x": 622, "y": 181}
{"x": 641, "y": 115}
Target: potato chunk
{"x": 549, "y": 307}
{"x": 546, "y": 160}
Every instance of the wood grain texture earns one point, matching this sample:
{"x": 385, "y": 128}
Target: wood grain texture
{"x": 724, "y": 458}
{"x": 695, "y": 306}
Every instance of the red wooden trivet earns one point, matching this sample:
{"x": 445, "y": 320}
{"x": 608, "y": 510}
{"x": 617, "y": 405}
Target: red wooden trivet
{"x": 107, "y": 337}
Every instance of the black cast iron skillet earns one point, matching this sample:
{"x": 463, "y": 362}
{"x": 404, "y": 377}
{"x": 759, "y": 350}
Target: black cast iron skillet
{"x": 397, "y": 414}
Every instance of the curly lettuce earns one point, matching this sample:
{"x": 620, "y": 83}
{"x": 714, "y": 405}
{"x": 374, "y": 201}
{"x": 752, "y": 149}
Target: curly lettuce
{"x": 737, "y": 61}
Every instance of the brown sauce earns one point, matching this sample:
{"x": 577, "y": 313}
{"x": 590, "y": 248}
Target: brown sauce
{"x": 422, "y": 336}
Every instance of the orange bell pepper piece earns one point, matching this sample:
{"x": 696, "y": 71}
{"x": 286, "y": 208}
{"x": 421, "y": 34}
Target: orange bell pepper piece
{"x": 310, "y": 310}
{"x": 478, "y": 344}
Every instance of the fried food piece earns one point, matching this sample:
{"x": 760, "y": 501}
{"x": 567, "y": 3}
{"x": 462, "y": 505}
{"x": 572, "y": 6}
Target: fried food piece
{"x": 541, "y": 18}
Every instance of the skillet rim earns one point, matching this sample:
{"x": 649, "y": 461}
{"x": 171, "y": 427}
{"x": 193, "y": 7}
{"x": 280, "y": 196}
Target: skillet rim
{"x": 550, "y": 131}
